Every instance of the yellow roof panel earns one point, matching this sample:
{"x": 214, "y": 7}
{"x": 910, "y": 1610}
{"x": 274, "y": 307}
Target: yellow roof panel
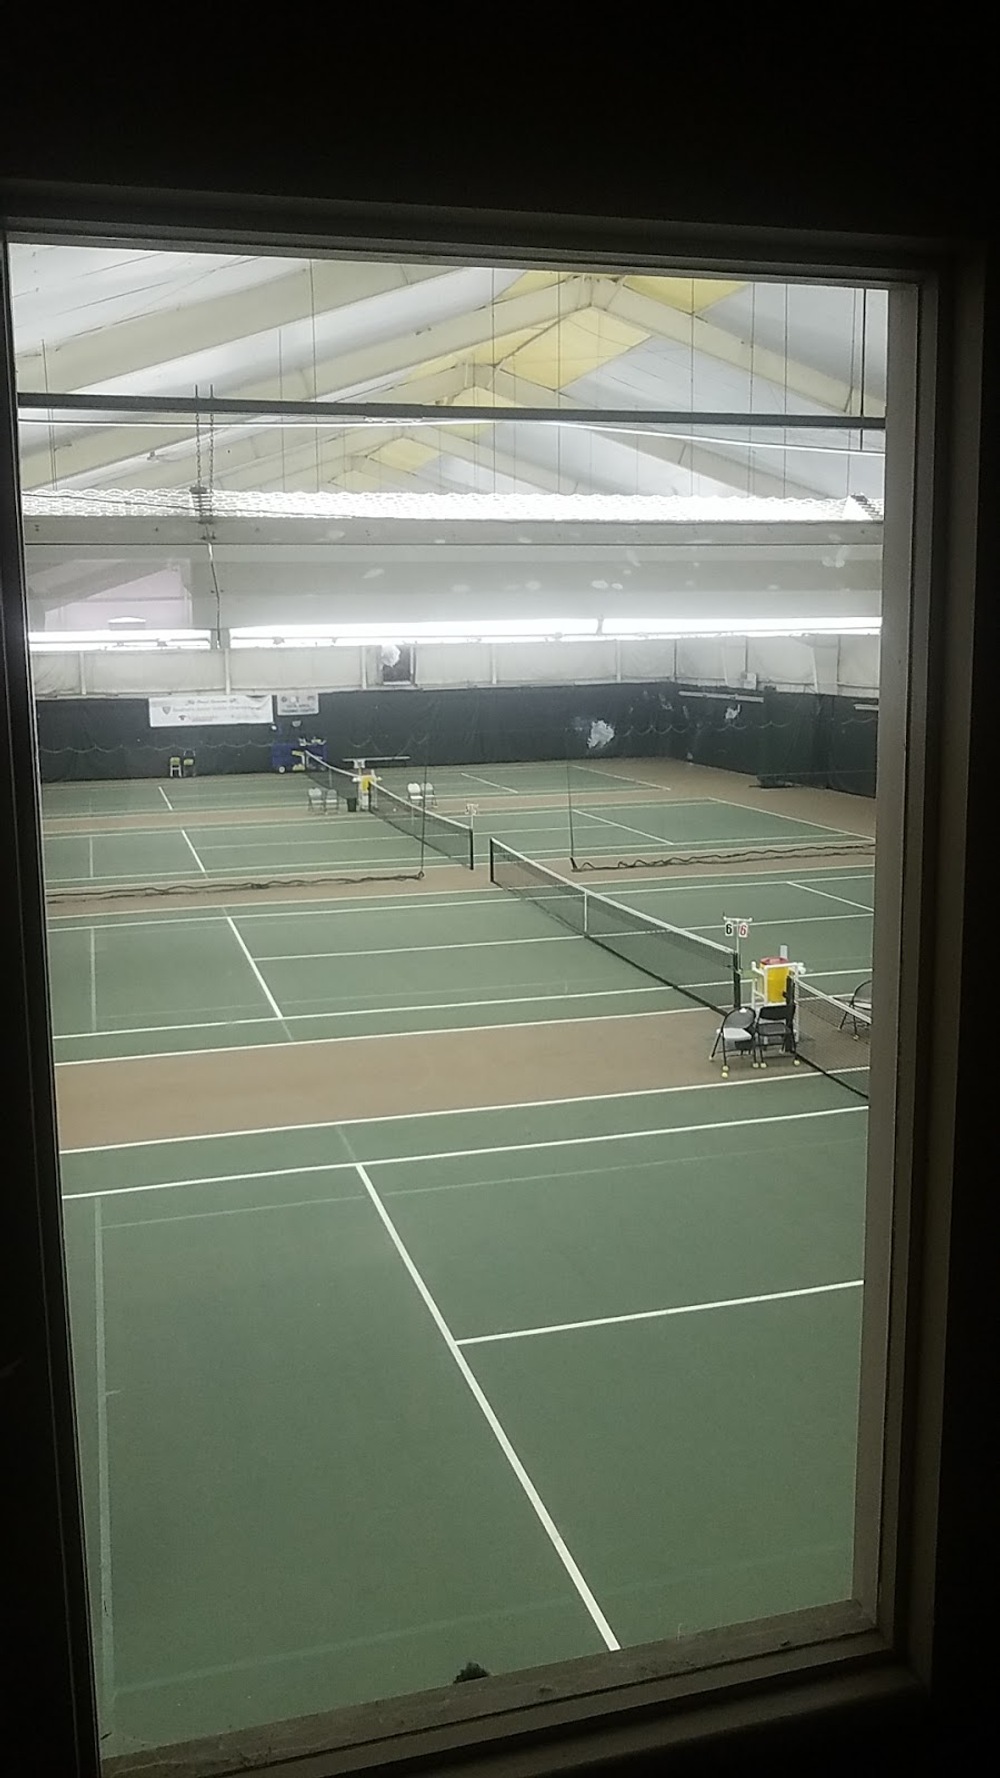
{"x": 404, "y": 453}
{"x": 690, "y": 295}
{"x": 573, "y": 347}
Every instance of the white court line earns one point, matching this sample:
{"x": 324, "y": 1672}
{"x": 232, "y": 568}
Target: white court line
{"x": 90, "y": 857}
{"x": 228, "y": 1049}
{"x": 321, "y": 906}
{"x": 395, "y": 1117}
{"x": 625, "y": 827}
{"x": 368, "y": 1012}
{"x": 774, "y": 848}
{"x": 278, "y": 827}
{"x": 541, "y": 1511}
{"x": 272, "y": 1003}
{"x": 169, "y": 1185}
{"x": 474, "y": 944}
{"x": 846, "y": 899}
{"x": 104, "y": 1489}
{"x": 580, "y": 765}
{"x": 153, "y": 1222}
{"x": 732, "y": 1302}
{"x": 794, "y": 920}
{"x": 508, "y": 789}
{"x": 169, "y": 804}
{"x": 483, "y": 944}
{"x": 332, "y": 836}
{"x": 192, "y": 851}
{"x": 93, "y": 980}
{"x": 849, "y": 833}
{"x": 466, "y": 1154}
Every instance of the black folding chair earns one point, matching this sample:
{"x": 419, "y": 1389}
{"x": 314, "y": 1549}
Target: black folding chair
{"x": 860, "y": 1002}
{"x": 775, "y": 1027}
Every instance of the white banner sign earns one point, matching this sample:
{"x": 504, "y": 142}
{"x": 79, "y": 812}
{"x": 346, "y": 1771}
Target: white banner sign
{"x": 298, "y": 703}
{"x": 209, "y": 709}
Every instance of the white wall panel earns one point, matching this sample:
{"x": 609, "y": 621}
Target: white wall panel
{"x": 700, "y": 662}
{"x": 295, "y": 669}
{"x": 783, "y": 662}
{"x": 648, "y": 660}
{"x": 859, "y": 663}
{"x": 145, "y": 675}
{"x": 554, "y": 663}
{"x": 56, "y": 675}
{"x": 454, "y": 663}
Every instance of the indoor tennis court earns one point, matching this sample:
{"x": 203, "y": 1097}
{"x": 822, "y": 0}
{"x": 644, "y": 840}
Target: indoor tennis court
{"x": 96, "y": 836}
{"x": 491, "y": 1332}
{"x": 413, "y": 1166}
{"x": 440, "y": 764}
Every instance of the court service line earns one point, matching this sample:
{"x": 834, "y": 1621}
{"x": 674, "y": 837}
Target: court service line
{"x": 155, "y": 1222}
{"x": 192, "y": 851}
{"x": 775, "y": 847}
{"x": 165, "y": 797}
{"x": 272, "y": 1003}
{"x": 473, "y": 944}
{"x": 846, "y": 899}
{"x": 230, "y": 1049}
{"x": 658, "y": 839}
{"x": 103, "y": 1481}
{"x": 541, "y": 1511}
{"x": 424, "y": 900}
{"x": 623, "y": 778}
{"x": 394, "y": 1117}
{"x": 466, "y": 1154}
{"x": 846, "y": 833}
{"x": 508, "y": 789}
{"x": 363, "y": 1012}
{"x": 732, "y": 1302}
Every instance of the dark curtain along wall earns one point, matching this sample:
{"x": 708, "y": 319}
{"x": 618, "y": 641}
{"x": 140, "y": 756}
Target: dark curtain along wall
{"x": 781, "y": 738}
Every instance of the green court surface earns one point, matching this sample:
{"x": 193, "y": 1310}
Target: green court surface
{"x": 361, "y": 1403}
{"x": 168, "y": 980}
{"x": 300, "y": 843}
{"x": 273, "y": 789}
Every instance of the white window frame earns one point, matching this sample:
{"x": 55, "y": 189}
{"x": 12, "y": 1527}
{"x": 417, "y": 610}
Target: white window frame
{"x": 880, "y": 1648}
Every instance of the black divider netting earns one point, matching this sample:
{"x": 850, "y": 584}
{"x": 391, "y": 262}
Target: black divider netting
{"x": 830, "y": 1033}
{"x": 453, "y": 839}
{"x": 698, "y": 967}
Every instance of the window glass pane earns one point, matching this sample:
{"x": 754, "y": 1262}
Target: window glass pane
{"x": 459, "y": 815}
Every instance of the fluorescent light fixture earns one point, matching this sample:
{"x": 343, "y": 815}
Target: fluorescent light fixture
{"x": 440, "y": 509}
{"x": 349, "y": 635}
{"x": 681, "y": 628}
{"x": 117, "y": 641}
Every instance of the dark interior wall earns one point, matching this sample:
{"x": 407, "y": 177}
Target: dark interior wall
{"x": 780, "y": 737}
{"x": 871, "y": 132}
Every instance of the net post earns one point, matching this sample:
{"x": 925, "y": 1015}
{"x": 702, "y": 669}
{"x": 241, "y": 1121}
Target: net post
{"x": 586, "y": 912}
{"x": 493, "y": 871}
{"x": 737, "y": 983}
{"x": 569, "y": 808}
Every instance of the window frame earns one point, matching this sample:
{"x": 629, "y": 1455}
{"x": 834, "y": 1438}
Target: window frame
{"x": 846, "y": 1661}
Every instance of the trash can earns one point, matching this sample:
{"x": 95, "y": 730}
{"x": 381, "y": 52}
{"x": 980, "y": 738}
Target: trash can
{"x": 352, "y": 805}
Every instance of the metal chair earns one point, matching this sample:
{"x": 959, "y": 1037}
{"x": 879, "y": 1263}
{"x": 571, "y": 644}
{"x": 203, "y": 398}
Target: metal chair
{"x": 775, "y": 1027}
{"x": 860, "y": 1002}
{"x": 736, "y": 1036}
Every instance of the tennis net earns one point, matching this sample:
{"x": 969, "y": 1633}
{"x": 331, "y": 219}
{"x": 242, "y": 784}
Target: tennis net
{"x": 328, "y": 777}
{"x": 828, "y": 1028}
{"x": 698, "y": 967}
{"x": 453, "y": 839}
